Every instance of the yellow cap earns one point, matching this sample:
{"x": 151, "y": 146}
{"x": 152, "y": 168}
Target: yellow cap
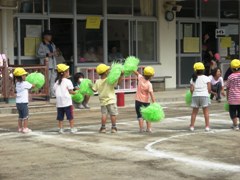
{"x": 198, "y": 66}
{"x": 62, "y": 68}
{"x": 235, "y": 64}
{"x": 148, "y": 71}
{"x": 102, "y": 68}
{"x": 19, "y": 72}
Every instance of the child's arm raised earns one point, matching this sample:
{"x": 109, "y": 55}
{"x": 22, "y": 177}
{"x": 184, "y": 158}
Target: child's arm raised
{"x": 136, "y": 73}
{"x": 120, "y": 78}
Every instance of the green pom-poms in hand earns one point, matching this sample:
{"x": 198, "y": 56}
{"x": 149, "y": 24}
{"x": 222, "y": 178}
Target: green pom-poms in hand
{"x": 78, "y": 97}
{"x": 115, "y": 73}
{"x": 37, "y": 79}
{"x": 130, "y": 65}
{"x": 226, "y": 107}
{"x": 188, "y": 98}
{"x": 85, "y": 87}
{"x": 153, "y": 113}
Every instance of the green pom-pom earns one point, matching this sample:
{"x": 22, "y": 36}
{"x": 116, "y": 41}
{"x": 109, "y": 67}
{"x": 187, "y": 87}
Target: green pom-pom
{"x": 153, "y": 113}
{"x": 130, "y": 65}
{"x": 188, "y": 98}
{"x": 37, "y": 79}
{"x": 115, "y": 73}
{"x": 78, "y": 97}
{"x": 226, "y": 107}
{"x": 85, "y": 87}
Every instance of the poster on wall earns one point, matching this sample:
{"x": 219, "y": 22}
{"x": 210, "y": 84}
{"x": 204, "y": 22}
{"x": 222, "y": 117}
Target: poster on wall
{"x": 191, "y": 45}
{"x": 93, "y": 22}
{"x": 33, "y": 30}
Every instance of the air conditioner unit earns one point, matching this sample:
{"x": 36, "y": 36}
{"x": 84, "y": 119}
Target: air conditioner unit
{"x": 8, "y": 3}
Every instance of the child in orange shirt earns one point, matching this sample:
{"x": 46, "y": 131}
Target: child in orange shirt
{"x": 144, "y": 92}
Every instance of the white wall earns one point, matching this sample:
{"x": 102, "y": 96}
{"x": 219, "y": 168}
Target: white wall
{"x": 166, "y": 48}
{"x": 7, "y": 34}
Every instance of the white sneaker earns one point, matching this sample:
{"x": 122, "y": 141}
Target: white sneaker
{"x": 86, "y": 106}
{"x": 26, "y": 130}
{"x": 191, "y": 128}
{"x": 73, "y": 130}
{"x": 61, "y": 131}
{"x": 236, "y": 128}
{"x": 81, "y": 106}
{"x": 207, "y": 129}
{"x": 20, "y": 130}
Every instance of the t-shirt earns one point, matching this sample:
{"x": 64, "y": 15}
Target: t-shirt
{"x": 214, "y": 81}
{"x": 63, "y": 96}
{"x": 106, "y": 92}
{"x": 233, "y": 86}
{"x": 22, "y": 91}
{"x": 200, "y": 86}
{"x": 143, "y": 89}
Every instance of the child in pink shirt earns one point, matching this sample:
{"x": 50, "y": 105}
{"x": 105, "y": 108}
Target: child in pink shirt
{"x": 233, "y": 93}
{"x": 144, "y": 93}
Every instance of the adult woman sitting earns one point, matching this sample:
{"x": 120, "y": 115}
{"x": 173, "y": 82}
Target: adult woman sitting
{"x": 217, "y": 84}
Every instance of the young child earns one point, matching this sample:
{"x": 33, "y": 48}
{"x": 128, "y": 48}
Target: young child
{"x": 144, "y": 92}
{"x": 22, "y": 88}
{"x": 63, "y": 88}
{"x": 78, "y": 77}
{"x": 233, "y": 93}
{"x": 107, "y": 97}
{"x": 200, "y": 89}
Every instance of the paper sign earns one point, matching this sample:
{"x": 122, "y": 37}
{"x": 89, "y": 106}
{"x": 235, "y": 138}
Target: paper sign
{"x": 191, "y": 45}
{"x": 29, "y": 46}
{"x": 33, "y": 30}
{"x": 93, "y": 22}
{"x": 225, "y": 42}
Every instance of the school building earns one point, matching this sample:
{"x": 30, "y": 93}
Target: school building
{"x": 166, "y": 34}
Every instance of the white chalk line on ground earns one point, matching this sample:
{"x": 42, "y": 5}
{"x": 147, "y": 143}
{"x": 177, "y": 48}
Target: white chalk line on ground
{"x": 190, "y": 160}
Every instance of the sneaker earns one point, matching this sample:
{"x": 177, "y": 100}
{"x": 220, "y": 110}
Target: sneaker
{"x": 102, "y": 130}
{"x": 149, "y": 130}
{"x": 114, "y": 130}
{"x": 20, "y": 130}
{"x": 26, "y": 130}
{"x": 236, "y": 128}
{"x": 81, "y": 106}
{"x": 207, "y": 129}
{"x": 191, "y": 128}
{"x": 73, "y": 130}
{"x": 86, "y": 106}
{"x": 61, "y": 131}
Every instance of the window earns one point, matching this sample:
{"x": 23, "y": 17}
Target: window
{"x": 188, "y": 8}
{"x": 119, "y": 7}
{"x": 146, "y": 41}
{"x": 33, "y": 6}
{"x": 118, "y": 40}
{"x": 145, "y": 7}
{"x": 230, "y": 9}
{"x": 90, "y": 43}
{"x": 90, "y": 7}
{"x": 210, "y": 8}
{"x": 65, "y": 6}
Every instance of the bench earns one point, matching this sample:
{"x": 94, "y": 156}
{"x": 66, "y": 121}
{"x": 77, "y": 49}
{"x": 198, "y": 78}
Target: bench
{"x": 156, "y": 82}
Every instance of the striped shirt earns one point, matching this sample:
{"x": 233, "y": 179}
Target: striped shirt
{"x": 233, "y": 86}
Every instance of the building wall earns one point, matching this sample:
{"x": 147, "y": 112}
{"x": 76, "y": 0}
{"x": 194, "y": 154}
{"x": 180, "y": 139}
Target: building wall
{"x": 166, "y": 48}
{"x": 0, "y": 31}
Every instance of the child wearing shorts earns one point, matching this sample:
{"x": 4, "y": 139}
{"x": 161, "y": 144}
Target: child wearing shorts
{"x": 78, "y": 77}
{"x": 200, "y": 89}
{"x": 63, "y": 87}
{"x": 144, "y": 92}
{"x": 233, "y": 93}
{"x": 22, "y": 88}
{"x": 107, "y": 97}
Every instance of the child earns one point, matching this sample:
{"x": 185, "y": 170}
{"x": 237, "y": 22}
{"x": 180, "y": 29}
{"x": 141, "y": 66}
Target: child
{"x": 200, "y": 89}
{"x": 233, "y": 93}
{"x": 78, "y": 77}
{"x": 22, "y": 88}
{"x": 107, "y": 97}
{"x": 144, "y": 92}
{"x": 63, "y": 88}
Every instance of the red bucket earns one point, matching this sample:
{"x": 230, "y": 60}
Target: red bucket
{"x": 120, "y": 99}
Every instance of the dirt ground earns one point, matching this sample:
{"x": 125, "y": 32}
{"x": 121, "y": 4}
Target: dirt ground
{"x": 170, "y": 152}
